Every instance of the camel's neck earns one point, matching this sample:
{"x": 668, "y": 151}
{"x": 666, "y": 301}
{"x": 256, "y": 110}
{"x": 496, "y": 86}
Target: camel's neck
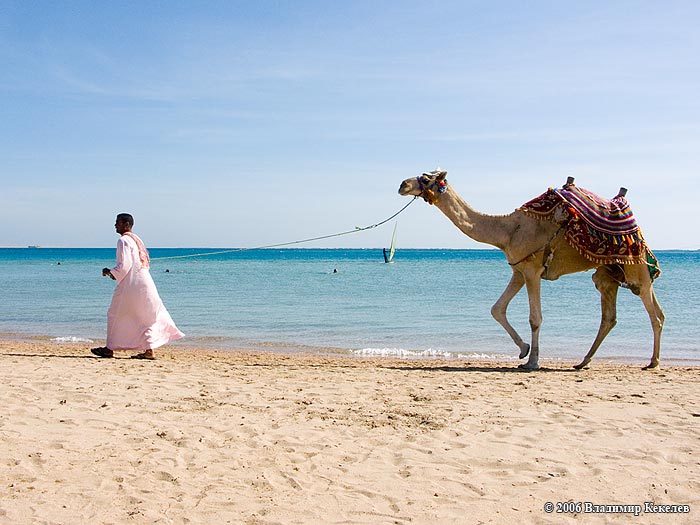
{"x": 489, "y": 229}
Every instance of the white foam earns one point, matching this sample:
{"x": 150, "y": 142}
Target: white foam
{"x": 400, "y": 352}
{"x": 71, "y": 339}
{"x": 403, "y": 353}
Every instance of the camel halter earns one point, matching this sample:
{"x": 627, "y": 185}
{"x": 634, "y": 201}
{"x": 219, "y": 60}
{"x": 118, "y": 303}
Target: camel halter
{"x": 427, "y": 191}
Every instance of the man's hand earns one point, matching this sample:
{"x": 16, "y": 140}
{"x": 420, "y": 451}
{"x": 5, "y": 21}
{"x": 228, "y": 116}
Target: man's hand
{"x": 106, "y": 272}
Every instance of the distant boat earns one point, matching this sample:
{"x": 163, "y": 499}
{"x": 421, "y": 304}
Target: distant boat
{"x": 389, "y": 256}
{"x": 33, "y": 246}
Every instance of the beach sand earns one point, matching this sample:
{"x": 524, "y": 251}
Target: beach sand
{"x": 217, "y": 437}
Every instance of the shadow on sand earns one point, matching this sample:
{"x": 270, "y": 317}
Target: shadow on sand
{"x": 64, "y": 356}
{"x": 482, "y": 368}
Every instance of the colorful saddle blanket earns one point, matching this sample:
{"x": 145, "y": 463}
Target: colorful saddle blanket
{"x": 604, "y": 231}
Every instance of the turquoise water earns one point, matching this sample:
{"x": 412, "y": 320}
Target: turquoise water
{"x": 428, "y": 302}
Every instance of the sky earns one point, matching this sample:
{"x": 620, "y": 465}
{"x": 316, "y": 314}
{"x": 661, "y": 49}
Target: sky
{"x": 247, "y": 123}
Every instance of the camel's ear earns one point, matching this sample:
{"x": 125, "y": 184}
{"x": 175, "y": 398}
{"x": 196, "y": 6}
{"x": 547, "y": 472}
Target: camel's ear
{"x": 441, "y": 176}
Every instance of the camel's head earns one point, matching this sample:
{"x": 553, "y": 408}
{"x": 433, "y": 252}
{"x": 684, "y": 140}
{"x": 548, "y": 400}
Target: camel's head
{"x": 428, "y": 185}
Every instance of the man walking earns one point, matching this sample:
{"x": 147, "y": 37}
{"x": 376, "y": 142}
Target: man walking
{"x": 137, "y": 318}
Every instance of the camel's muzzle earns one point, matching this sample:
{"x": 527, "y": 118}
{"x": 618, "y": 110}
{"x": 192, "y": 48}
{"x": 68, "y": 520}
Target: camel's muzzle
{"x": 405, "y": 188}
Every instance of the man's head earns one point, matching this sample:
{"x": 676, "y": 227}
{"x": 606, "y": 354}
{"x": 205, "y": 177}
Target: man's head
{"x": 124, "y": 223}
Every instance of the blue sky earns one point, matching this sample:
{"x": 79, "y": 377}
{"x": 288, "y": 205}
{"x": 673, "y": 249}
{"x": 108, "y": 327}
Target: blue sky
{"x": 236, "y": 124}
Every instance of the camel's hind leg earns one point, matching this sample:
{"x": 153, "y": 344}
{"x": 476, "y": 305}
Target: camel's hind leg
{"x": 498, "y": 311}
{"x": 639, "y": 281}
{"x": 607, "y": 286}
{"x": 637, "y": 276}
{"x": 657, "y": 318}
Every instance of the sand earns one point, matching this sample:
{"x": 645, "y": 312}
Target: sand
{"x": 260, "y": 438}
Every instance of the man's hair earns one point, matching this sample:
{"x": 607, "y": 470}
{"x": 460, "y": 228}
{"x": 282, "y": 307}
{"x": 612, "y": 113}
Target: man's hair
{"x": 127, "y": 218}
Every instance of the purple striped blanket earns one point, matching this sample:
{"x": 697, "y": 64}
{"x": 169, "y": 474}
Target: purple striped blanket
{"x": 604, "y": 231}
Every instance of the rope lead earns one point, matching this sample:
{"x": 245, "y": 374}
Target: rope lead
{"x": 290, "y": 243}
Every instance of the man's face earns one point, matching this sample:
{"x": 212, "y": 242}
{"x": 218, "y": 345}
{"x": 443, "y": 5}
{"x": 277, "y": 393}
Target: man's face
{"x": 121, "y": 226}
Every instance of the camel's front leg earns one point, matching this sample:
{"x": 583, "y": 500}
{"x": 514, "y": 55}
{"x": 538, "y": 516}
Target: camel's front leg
{"x": 534, "y": 286}
{"x": 608, "y": 287}
{"x": 498, "y": 311}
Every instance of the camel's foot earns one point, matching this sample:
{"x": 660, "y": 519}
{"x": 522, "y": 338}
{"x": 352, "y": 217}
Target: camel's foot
{"x": 652, "y": 365}
{"x": 529, "y": 366}
{"x": 581, "y": 365}
{"x": 524, "y": 350}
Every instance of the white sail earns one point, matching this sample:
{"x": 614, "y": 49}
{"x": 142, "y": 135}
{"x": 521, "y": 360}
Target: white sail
{"x": 392, "y": 248}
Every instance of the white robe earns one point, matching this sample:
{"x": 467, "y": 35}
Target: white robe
{"x": 137, "y": 318}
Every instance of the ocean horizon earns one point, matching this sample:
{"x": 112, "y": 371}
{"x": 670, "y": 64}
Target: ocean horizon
{"x": 432, "y": 303}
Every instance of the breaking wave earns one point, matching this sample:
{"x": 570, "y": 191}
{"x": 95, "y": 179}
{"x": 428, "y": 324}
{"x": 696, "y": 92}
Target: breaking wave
{"x": 429, "y": 353}
{"x": 71, "y": 339}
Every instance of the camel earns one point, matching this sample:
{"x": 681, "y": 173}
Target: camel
{"x": 536, "y": 249}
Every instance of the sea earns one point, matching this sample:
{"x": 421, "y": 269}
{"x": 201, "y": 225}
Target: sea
{"x": 427, "y": 303}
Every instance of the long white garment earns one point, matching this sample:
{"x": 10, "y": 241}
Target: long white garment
{"x": 137, "y": 318}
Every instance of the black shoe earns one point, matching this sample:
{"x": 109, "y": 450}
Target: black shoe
{"x": 102, "y": 352}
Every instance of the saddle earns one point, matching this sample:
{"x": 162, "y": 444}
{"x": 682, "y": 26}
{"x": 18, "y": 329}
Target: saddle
{"x": 603, "y": 231}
